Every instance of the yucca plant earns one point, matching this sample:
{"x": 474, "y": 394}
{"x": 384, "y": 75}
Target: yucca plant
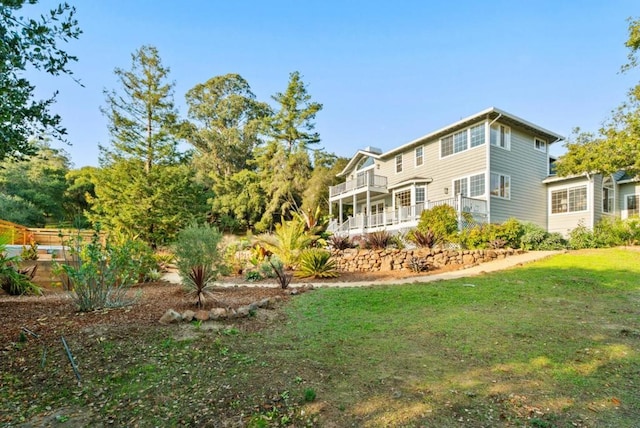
{"x": 287, "y": 241}
{"x": 199, "y": 260}
{"x": 316, "y": 263}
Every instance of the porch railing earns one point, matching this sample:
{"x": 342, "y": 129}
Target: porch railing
{"x": 361, "y": 181}
{"x": 470, "y": 211}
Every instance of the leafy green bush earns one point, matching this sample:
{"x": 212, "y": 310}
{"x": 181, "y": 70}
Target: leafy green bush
{"x": 510, "y": 231}
{"x": 316, "y": 263}
{"x": 582, "y": 237}
{"x": 199, "y": 259}
{"x": 252, "y": 276}
{"x": 100, "y": 275}
{"x": 535, "y": 237}
{"x": 12, "y": 280}
{"x": 442, "y": 220}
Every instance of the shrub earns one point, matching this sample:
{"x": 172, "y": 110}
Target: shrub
{"x": 12, "y": 280}
{"x": 426, "y": 239}
{"x": 100, "y": 275}
{"x": 199, "y": 259}
{"x": 316, "y": 263}
{"x": 284, "y": 278}
{"x": 510, "y": 231}
{"x": 339, "y": 242}
{"x": 30, "y": 252}
{"x": 442, "y": 220}
{"x": 581, "y": 237}
{"x": 378, "y": 240}
{"x": 252, "y": 276}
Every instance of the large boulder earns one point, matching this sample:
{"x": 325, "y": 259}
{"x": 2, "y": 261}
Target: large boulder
{"x": 170, "y": 317}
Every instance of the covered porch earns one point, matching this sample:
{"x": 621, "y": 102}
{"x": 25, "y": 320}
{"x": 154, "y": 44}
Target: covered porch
{"x": 400, "y": 218}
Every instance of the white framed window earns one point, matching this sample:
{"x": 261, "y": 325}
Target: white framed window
{"x": 632, "y": 205}
{"x": 476, "y": 185}
{"x": 471, "y": 186}
{"x": 460, "y": 187}
{"x": 446, "y": 146}
{"x": 462, "y": 140}
{"x": 500, "y": 136}
{"x": 569, "y": 200}
{"x": 540, "y": 144}
{"x": 500, "y": 185}
{"x": 608, "y": 196}
{"x": 420, "y": 195}
{"x": 476, "y": 135}
{"x": 398, "y": 163}
{"x": 419, "y": 156}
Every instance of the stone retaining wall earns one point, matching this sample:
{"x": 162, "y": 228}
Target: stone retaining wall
{"x": 419, "y": 259}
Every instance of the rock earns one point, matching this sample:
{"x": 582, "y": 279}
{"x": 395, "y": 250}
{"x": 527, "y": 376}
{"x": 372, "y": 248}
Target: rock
{"x": 217, "y": 313}
{"x": 468, "y": 259}
{"x": 264, "y": 303}
{"x": 243, "y": 311}
{"x": 170, "y": 317}
{"x": 253, "y": 306}
{"x": 188, "y": 315}
{"x": 202, "y": 315}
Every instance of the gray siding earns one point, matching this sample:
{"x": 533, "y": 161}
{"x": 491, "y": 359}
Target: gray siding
{"x": 527, "y": 167}
{"x": 596, "y": 199}
{"x": 564, "y": 222}
{"x": 442, "y": 171}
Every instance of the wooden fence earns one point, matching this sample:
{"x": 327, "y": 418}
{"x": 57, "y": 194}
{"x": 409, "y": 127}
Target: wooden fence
{"x": 21, "y": 235}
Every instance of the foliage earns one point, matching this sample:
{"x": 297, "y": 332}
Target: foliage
{"x": 79, "y": 191}
{"x": 284, "y": 278}
{"x": 536, "y": 238}
{"x": 199, "y": 259}
{"x": 13, "y": 280}
{"x": 616, "y": 146}
{"x": 31, "y": 43}
{"x": 252, "y": 276}
{"x": 442, "y": 220}
{"x": 100, "y": 274}
{"x": 340, "y": 242}
{"x": 284, "y": 164}
{"x": 582, "y": 237}
{"x": 426, "y": 239}
{"x": 30, "y": 252}
{"x": 316, "y": 263}
{"x": 142, "y": 254}
{"x": 38, "y": 179}
{"x": 145, "y": 187}
{"x": 326, "y": 167}
{"x": 287, "y": 241}
{"x": 225, "y": 130}
{"x": 507, "y": 234}
{"x": 17, "y": 210}
{"x": 378, "y": 240}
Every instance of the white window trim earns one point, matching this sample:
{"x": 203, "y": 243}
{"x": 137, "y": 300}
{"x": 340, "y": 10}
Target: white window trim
{"x": 612, "y": 208}
{"x": 468, "y": 131}
{"x": 626, "y": 203}
{"x": 395, "y": 160}
{"x": 505, "y": 198}
{"x": 544, "y": 144}
{"x": 415, "y": 156}
{"x": 468, "y": 178}
{"x": 567, "y": 187}
{"x": 508, "y": 145}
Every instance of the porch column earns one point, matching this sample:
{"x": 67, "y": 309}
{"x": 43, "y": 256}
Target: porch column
{"x": 355, "y": 211}
{"x": 340, "y": 211}
{"x": 330, "y": 209}
{"x": 368, "y": 206}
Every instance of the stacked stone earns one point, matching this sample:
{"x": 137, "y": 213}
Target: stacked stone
{"x": 360, "y": 260}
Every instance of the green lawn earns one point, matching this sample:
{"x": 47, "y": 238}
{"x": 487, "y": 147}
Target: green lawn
{"x": 552, "y": 344}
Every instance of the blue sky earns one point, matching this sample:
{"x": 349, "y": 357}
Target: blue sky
{"x": 386, "y": 72}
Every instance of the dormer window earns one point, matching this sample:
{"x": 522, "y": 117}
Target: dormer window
{"x": 399, "y": 163}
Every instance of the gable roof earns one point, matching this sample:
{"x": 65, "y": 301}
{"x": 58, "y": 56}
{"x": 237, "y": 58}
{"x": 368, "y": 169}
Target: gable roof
{"x": 370, "y": 152}
{"x": 492, "y": 113}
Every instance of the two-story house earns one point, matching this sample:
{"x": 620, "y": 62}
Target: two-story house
{"x": 492, "y": 164}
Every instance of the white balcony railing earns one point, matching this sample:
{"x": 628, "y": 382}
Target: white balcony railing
{"x": 363, "y": 180}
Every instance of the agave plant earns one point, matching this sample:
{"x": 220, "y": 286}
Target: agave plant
{"x": 316, "y": 263}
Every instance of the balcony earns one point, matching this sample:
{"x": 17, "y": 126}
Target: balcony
{"x": 363, "y": 181}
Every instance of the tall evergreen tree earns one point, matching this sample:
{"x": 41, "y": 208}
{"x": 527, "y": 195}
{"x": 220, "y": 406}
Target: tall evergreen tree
{"x": 285, "y": 162}
{"x": 144, "y": 187}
